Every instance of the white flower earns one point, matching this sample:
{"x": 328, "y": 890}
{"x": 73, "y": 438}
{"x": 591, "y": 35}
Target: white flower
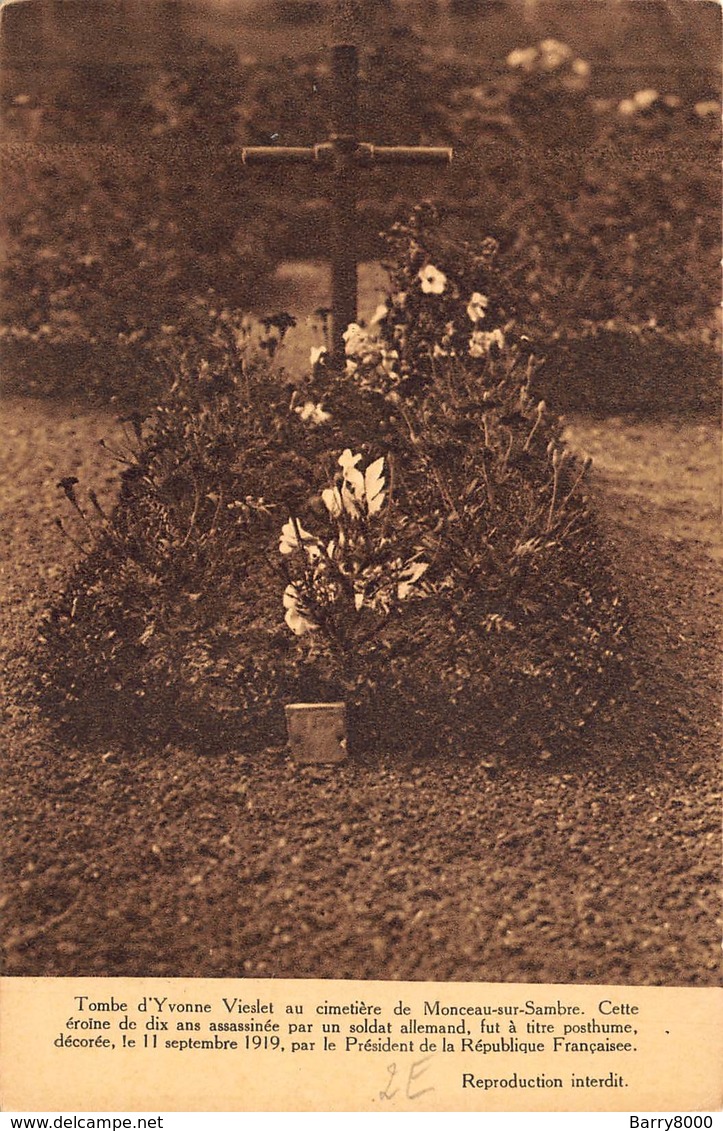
{"x": 312, "y": 413}
{"x": 348, "y": 460}
{"x": 331, "y": 499}
{"x": 581, "y": 67}
{"x": 351, "y": 494}
{"x": 410, "y": 577}
{"x": 289, "y": 540}
{"x": 291, "y": 597}
{"x": 358, "y": 491}
{"x": 482, "y": 341}
{"x": 644, "y": 99}
{"x": 554, "y": 54}
{"x": 355, "y": 339}
{"x": 374, "y": 486}
{"x": 297, "y": 622}
{"x": 432, "y": 280}
{"x": 352, "y": 491}
{"x": 316, "y": 353}
{"x": 627, "y": 107}
{"x": 524, "y": 57}
{"x": 477, "y": 307}
{"x": 703, "y": 109}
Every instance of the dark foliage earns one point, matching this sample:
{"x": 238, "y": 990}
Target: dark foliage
{"x": 124, "y": 240}
{"x": 608, "y": 213}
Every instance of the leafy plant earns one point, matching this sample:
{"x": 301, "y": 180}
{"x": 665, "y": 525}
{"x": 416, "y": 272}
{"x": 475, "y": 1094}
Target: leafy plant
{"x": 344, "y": 589}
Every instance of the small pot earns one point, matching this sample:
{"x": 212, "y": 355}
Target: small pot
{"x": 317, "y": 732}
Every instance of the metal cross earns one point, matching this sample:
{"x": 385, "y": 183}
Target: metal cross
{"x": 343, "y": 154}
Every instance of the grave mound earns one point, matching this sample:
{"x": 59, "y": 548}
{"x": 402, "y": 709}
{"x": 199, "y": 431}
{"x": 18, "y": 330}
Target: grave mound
{"x": 409, "y": 536}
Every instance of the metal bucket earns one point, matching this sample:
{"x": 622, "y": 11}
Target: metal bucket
{"x": 317, "y": 732}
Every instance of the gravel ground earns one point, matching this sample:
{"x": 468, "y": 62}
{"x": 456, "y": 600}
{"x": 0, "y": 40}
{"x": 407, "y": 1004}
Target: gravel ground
{"x": 603, "y": 868}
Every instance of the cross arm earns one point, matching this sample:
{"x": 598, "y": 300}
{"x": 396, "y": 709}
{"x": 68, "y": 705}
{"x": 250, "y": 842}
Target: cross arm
{"x": 363, "y": 153}
{"x": 404, "y": 154}
{"x": 286, "y": 154}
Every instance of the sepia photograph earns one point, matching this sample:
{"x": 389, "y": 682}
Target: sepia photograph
{"x": 360, "y": 490}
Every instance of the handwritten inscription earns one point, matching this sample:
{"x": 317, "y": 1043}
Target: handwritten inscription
{"x": 410, "y": 1080}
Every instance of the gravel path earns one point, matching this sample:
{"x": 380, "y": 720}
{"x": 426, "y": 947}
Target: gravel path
{"x": 599, "y": 869}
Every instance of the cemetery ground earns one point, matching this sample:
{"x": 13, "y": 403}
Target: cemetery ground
{"x": 600, "y": 866}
